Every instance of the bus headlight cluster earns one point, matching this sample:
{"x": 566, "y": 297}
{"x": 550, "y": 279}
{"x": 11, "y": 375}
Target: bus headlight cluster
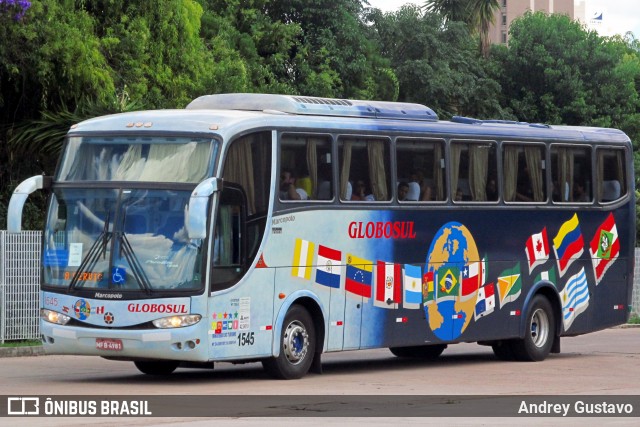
{"x": 54, "y": 317}
{"x": 177, "y": 321}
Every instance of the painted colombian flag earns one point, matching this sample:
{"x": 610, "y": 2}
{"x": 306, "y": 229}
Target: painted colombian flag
{"x": 328, "y": 271}
{"x": 568, "y": 244}
{"x": 358, "y": 276}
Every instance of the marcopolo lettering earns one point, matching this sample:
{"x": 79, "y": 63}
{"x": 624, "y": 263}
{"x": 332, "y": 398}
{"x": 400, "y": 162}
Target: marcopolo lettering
{"x": 157, "y": 308}
{"x": 382, "y": 230}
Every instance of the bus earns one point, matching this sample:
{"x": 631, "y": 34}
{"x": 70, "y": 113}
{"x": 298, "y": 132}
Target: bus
{"x": 275, "y": 228}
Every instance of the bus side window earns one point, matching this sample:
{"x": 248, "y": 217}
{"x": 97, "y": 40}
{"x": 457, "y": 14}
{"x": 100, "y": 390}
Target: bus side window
{"x": 229, "y": 241}
{"x": 308, "y": 159}
{"x": 473, "y": 168}
{"x": 367, "y": 160}
{"x": 420, "y": 163}
{"x": 571, "y": 174}
{"x": 611, "y": 173}
{"x": 523, "y": 171}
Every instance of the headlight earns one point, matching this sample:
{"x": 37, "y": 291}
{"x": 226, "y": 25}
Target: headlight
{"x": 177, "y": 321}
{"x": 54, "y": 317}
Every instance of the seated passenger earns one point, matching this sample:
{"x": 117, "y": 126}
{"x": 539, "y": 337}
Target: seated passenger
{"x": 361, "y": 192}
{"x": 288, "y": 190}
{"x": 403, "y": 191}
{"x": 413, "y": 194}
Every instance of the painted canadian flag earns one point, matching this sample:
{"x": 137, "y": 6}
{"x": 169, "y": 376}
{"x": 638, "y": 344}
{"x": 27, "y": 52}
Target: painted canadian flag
{"x": 537, "y": 249}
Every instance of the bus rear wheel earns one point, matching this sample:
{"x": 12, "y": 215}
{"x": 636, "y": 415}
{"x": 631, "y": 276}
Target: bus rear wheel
{"x": 419, "y": 352}
{"x": 538, "y": 339}
{"x": 297, "y": 346}
{"x": 156, "y": 367}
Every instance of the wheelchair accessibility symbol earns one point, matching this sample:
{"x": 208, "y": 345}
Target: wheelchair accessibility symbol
{"x": 118, "y": 275}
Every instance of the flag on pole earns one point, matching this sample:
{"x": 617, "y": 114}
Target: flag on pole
{"x": 412, "y": 287}
{"x": 328, "y": 271}
{"x": 605, "y": 247}
{"x": 537, "y": 249}
{"x": 302, "y": 259}
{"x": 388, "y": 284}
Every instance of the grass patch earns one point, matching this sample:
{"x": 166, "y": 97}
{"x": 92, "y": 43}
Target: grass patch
{"x": 22, "y": 343}
{"x": 634, "y": 319}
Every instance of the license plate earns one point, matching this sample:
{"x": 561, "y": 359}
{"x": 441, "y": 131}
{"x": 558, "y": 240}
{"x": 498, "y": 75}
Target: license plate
{"x": 108, "y": 344}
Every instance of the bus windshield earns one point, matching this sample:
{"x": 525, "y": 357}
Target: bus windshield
{"x": 148, "y": 159}
{"x": 120, "y": 239}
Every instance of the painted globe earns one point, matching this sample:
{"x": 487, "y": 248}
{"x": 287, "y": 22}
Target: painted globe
{"x": 452, "y": 276}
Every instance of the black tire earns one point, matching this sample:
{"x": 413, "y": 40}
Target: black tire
{"x": 419, "y": 352}
{"x": 297, "y": 346}
{"x": 541, "y": 329}
{"x": 156, "y": 367}
{"x": 504, "y": 350}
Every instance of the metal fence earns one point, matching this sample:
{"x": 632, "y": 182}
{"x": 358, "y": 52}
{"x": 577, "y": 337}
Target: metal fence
{"x": 19, "y": 285}
{"x": 20, "y": 275}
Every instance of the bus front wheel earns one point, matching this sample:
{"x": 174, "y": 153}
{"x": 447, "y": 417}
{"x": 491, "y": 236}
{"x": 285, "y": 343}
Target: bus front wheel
{"x": 297, "y": 346}
{"x": 156, "y": 367}
{"x": 541, "y": 327}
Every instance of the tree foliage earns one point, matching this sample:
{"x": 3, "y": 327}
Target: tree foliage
{"x": 62, "y": 61}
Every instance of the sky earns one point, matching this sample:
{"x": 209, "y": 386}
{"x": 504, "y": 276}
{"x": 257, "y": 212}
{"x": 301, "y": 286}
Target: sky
{"x": 618, "y": 16}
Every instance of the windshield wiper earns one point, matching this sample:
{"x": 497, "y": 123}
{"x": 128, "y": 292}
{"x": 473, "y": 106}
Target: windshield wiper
{"x": 98, "y": 246}
{"x": 134, "y": 263}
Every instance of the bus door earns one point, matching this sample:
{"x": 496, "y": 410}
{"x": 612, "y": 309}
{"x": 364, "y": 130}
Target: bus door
{"x": 352, "y": 321}
{"x": 336, "y": 329}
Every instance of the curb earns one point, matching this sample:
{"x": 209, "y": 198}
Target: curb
{"x": 36, "y": 350}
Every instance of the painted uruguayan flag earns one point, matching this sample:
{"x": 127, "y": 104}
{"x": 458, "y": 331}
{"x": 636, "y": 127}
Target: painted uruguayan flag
{"x": 575, "y": 298}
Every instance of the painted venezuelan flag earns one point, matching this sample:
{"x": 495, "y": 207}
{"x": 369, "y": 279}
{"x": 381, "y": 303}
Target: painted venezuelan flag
{"x": 568, "y": 244}
{"x": 358, "y": 276}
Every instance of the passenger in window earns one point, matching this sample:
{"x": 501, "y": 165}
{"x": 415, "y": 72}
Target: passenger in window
{"x": 361, "y": 192}
{"x": 324, "y": 182}
{"x": 288, "y": 190}
{"x": 427, "y": 194}
{"x": 403, "y": 191}
{"x": 492, "y": 190}
{"x": 413, "y": 194}
{"x": 579, "y": 193}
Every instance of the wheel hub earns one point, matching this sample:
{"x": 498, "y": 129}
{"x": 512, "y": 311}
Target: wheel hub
{"x": 295, "y": 342}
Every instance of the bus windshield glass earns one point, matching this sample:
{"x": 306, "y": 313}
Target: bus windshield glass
{"x": 148, "y": 159}
{"x": 120, "y": 239}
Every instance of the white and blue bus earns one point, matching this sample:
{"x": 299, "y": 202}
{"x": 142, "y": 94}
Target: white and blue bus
{"x": 273, "y": 228}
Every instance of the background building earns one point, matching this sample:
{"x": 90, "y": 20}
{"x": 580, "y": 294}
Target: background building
{"x": 511, "y": 9}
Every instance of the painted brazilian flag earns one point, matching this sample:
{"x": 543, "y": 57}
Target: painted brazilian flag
{"x": 448, "y": 282}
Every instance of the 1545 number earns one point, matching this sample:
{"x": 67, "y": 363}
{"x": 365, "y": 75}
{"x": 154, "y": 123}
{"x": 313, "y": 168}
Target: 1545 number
{"x": 245, "y": 338}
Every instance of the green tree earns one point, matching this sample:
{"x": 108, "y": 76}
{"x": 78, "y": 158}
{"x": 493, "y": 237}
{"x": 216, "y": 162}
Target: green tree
{"x": 482, "y": 15}
{"x": 477, "y": 14}
{"x": 556, "y": 72}
{"x": 451, "y": 10}
{"x": 437, "y": 63}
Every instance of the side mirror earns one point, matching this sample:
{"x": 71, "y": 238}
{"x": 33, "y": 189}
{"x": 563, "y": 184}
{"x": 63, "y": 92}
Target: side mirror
{"x": 19, "y": 197}
{"x": 196, "y": 211}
